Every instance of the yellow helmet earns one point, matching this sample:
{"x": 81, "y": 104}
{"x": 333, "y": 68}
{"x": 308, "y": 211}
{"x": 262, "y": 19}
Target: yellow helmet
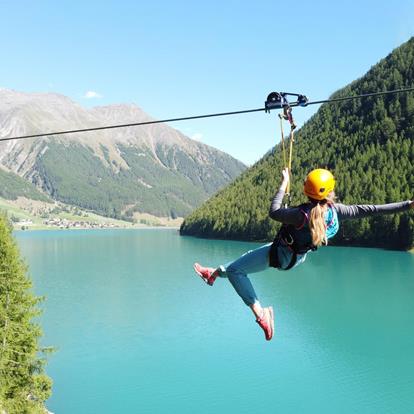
{"x": 318, "y": 184}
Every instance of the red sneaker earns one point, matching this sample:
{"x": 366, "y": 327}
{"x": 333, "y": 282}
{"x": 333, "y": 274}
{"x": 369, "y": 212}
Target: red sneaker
{"x": 208, "y": 274}
{"x": 267, "y": 323}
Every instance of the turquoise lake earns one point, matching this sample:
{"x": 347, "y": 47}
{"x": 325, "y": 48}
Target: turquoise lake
{"x": 136, "y": 331}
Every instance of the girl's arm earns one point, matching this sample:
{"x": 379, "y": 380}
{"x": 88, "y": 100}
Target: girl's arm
{"x": 285, "y": 215}
{"x": 365, "y": 210}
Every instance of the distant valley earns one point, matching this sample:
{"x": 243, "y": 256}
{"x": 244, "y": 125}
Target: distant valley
{"x": 151, "y": 173}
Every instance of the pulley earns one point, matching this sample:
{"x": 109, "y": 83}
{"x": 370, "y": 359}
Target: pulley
{"x": 279, "y": 100}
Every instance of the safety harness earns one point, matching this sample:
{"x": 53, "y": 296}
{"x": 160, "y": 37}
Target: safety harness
{"x": 298, "y": 240}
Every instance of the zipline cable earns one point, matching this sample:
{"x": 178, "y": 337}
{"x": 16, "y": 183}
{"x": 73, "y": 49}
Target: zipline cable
{"x": 73, "y": 131}
{"x": 187, "y": 118}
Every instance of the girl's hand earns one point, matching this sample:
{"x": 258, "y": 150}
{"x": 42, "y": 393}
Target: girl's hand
{"x": 286, "y": 179}
{"x": 286, "y": 175}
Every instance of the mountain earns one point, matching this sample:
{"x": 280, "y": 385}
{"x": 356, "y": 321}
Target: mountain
{"x": 152, "y": 169}
{"x": 368, "y": 144}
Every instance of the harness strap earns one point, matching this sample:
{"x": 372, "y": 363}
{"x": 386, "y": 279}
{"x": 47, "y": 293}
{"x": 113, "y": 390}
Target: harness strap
{"x": 291, "y": 141}
{"x": 283, "y": 140}
{"x": 305, "y": 219}
{"x": 287, "y": 115}
{"x": 274, "y": 257}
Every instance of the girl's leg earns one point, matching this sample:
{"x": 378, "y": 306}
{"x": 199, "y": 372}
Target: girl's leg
{"x": 251, "y": 262}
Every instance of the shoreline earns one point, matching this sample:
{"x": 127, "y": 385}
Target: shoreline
{"x": 25, "y": 215}
{"x": 18, "y": 229}
{"x": 351, "y": 245}
{"x": 49, "y": 228}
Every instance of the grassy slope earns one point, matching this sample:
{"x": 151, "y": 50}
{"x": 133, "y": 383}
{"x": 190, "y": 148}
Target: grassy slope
{"x": 20, "y": 213}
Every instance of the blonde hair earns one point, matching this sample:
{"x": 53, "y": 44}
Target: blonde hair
{"x": 317, "y": 224}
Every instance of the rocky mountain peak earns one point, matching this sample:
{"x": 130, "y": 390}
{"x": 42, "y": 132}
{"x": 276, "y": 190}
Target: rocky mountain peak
{"x": 153, "y": 159}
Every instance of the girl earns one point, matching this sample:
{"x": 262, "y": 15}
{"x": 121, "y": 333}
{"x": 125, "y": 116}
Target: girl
{"x": 305, "y": 228}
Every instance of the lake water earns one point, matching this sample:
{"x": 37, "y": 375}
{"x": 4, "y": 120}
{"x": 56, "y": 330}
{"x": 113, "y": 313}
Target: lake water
{"x": 137, "y": 332}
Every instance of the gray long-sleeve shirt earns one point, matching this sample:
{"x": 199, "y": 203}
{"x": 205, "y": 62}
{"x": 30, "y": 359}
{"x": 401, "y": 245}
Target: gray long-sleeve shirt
{"x": 294, "y": 215}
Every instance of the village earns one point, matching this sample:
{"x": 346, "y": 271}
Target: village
{"x": 63, "y": 223}
{"x": 81, "y": 224}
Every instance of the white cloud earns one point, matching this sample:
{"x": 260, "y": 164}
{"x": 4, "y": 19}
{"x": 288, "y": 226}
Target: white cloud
{"x": 92, "y": 95}
{"x": 197, "y": 136}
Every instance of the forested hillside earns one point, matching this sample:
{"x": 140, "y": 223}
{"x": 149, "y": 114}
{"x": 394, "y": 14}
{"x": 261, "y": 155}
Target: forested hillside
{"x": 368, "y": 144}
{"x": 13, "y": 186}
{"x": 146, "y": 185}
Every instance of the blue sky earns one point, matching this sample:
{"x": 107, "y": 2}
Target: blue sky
{"x": 179, "y": 58}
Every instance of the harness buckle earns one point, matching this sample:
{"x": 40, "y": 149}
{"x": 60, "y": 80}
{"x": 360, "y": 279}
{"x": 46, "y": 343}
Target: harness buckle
{"x": 289, "y": 242}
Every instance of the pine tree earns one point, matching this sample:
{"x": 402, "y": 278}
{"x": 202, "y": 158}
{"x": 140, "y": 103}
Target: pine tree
{"x": 23, "y": 385}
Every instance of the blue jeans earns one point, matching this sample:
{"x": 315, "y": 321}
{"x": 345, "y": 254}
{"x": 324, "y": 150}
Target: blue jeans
{"x": 253, "y": 261}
